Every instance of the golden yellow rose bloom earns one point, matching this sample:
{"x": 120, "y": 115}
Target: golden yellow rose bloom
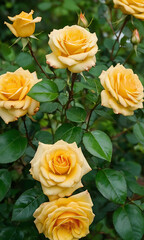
{"x": 123, "y": 90}
{"x": 23, "y": 24}
{"x": 132, "y": 7}
{"x": 59, "y": 167}
{"x": 14, "y": 101}
{"x": 65, "y": 218}
{"x": 73, "y": 48}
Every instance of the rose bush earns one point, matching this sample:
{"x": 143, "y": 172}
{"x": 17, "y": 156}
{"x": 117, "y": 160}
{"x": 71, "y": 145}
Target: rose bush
{"x": 65, "y": 218}
{"x": 59, "y": 168}
{"x": 132, "y": 7}
{"x": 14, "y": 102}
{"x": 73, "y": 48}
{"x": 72, "y": 141}
{"x": 23, "y": 24}
{"x": 123, "y": 90}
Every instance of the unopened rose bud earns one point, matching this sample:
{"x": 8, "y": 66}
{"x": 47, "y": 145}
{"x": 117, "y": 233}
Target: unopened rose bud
{"x": 82, "y": 21}
{"x": 135, "y": 37}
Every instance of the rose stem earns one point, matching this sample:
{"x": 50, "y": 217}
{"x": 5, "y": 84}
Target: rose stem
{"x": 74, "y": 75}
{"x": 29, "y": 140}
{"x": 128, "y": 57}
{"x": 32, "y": 53}
{"x": 90, "y": 114}
{"x": 50, "y": 123}
{"x": 121, "y": 133}
{"x": 117, "y": 39}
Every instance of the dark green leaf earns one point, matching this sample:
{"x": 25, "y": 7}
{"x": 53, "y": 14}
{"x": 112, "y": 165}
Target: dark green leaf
{"x": 7, "y": 52}
{"x": 12, "y": 146}
{"x": 24, "y": 59}
{"x": 139, "y": 132}
{"x": 48, "y": 107}
{"x": 112, "y": 185}
{"x": 60, "y": 83}
{"x": 68, "y": 133}
{"x": 76, "y": 114}
{"x": 102, "y": 207}
{"x": 44, "y": 137}
{"x": 63, "y": 98}
{"x": 97, "y": 70}
{"x": 130, "y": 166}
{"x": 5, "y": 182}
{"x": 98, "y": 144}
{"x": 26, "y": 204}
{"x": 128, "y": 222}
{"x": 44, "y": 91}
{"x": 11, "y": 233}
{"x": 133, "y": 185}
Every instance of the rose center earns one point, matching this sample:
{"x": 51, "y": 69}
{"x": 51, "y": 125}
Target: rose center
{"x": 74, "y": 41}
{"x": 60, "y": 163}
{"x": 12, "y": 86}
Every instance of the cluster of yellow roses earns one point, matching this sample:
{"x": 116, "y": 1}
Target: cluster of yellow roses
{"x": 60, "y": 167}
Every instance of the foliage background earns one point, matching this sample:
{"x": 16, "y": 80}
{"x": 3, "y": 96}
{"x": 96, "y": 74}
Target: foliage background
{"x": 126, "y": 133}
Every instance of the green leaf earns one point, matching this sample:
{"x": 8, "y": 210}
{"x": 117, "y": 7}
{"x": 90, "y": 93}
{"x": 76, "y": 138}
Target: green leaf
{"x": 5, "y": 183}
{"x": 60, "y": 83}
{"x": 97, "y": 70}
{"x": 26, "y": 204}
{"x": 138, "y": 130}
{"x": 128, "y": 222}
{"x": 24, "y": 59}
{"x": 12, "y": 146}
{"x": 78, "y": 86}
{"x": 133, "y": 185}
{"x": 112, "y": 185}
{"x": 76, "y": 114}
{"x": 104, "y": 114}
{"x": 49, "y": 107}
{"x": 130, "y": 166}
{"x": 98, "y": 144}
{"x": 11, "y": 233}
{"x": 44, "y": 91}
{"x": 44, "y": 137}
{"x": 68, "y": 133}
{"x": 63, "y": 98}
{"x": 7, "y": 52}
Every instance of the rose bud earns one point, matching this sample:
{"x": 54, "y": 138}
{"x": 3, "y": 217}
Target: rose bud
{"x": 135, "y": 37}
{"x": 82, "y": 21}
{"x": 23, "y": 24}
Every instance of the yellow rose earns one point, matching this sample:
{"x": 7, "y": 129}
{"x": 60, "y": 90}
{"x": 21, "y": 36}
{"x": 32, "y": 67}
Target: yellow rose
{"x": 132, "y": 7}
{"x": 123, "y": 90}
{"x": 59, "y": 167}
{"x": 14, "y": 101}
{"x": 65, "y": 218}
{"x": 23, "y": 24}
{"x": 73, "y": 48}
